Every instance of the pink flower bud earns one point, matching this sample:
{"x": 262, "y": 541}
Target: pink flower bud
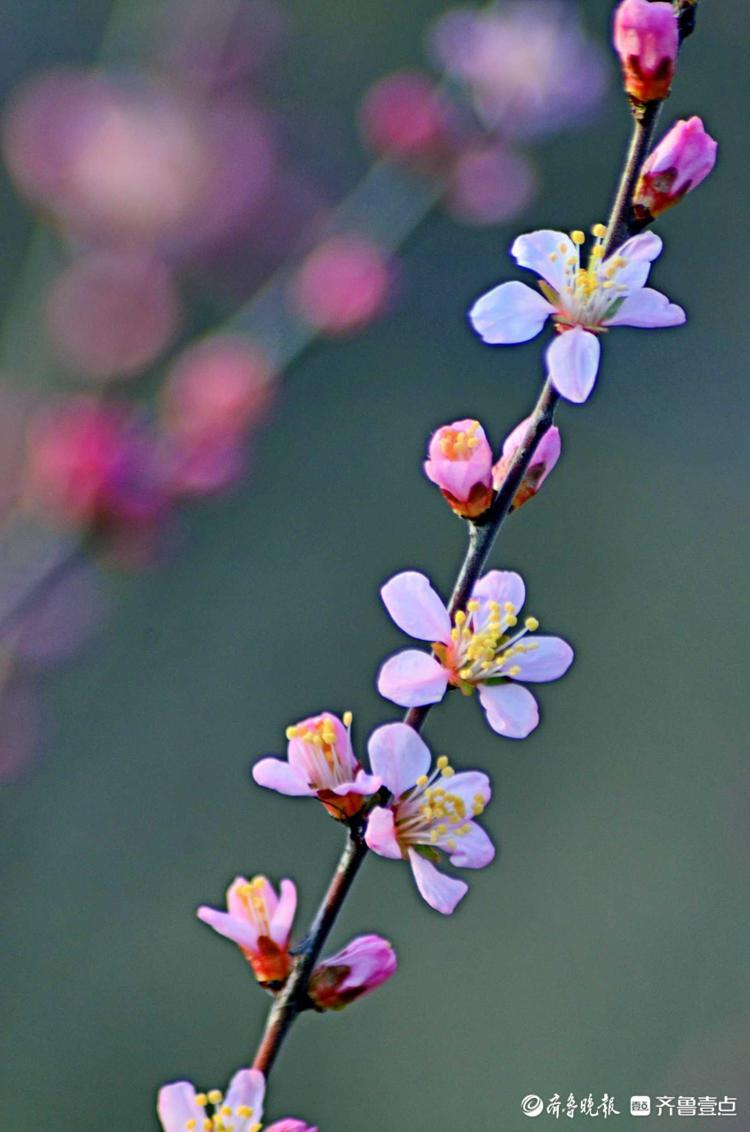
{"x": 362, "y": 966}
{"x": 460, "y": 463}
{"x": 546, "y": 455}
{"x": 679, "y": 163}
{"x": 646, "y": 38}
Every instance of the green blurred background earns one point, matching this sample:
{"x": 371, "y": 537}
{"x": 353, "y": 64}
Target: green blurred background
{"x": 606, "y": 949}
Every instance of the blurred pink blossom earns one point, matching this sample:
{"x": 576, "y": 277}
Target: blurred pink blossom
{"x": 219, "y": 43}
{"x": 110, "y": 314}
{"x": 407, "y": 117}
{"x": 489, "y": 183}
{"x": 342, "y": 285}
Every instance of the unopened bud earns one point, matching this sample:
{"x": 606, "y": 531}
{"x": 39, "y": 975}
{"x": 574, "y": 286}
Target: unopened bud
{"x": 646, "y": 37}
{"x": 679, "y": 163}
{"x": 362, "y": 966}
{"x": 460, "y": 463}
{"x": 546, "y": 455}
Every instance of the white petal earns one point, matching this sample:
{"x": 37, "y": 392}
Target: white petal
{"x": 533, "y": 250}
{"x": 176, "y": 1106}
{"x": 247, "y": 1087}
{"x": 510, "y": 709}
{"x": 573, "y": 363}
{"x": 441, "y": 892}
{"x": 399, "y": 756}
{"x": 647, "y": 246}
{"x": 412, "y": 678}
{"x": 499, "y": 586}
{"x": 509, "y": 314}
{"x": 416, "y": 607}
{"x": 474, "y": 850}
{"x": 648, "y": 308}
{"x": 548, "y": 658}
{"x": 640, "y": 252}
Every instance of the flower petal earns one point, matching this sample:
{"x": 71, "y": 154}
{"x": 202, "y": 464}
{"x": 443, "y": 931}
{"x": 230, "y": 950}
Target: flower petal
{"x": 248, "y": 1088}
{"x": 416, "y": 607}
{"x": 176, "y": 1106}
{"x": 399, "y": 756}
{"x": 500, "y": 586}
{"x": 289, "y": 1124}
{"x": 282, "y": 918}
{"x": 645, "y": 247}
{"x": 648, "y": 308}
{"x": 275, "y": 774}
{"x": 534, "y": 249}
{"x": 639, "y": 253}
{"x": 441, "y": 892}
{"x": 467, "y": 785}
{"x": 509, "y": 314}
{"x": 548, "y": 658}
{"x": 237, "y": 896}
{"x": 511, "y": 710}
{"x": 363, "y": 784}
{"x": 412, "y": 678}
{"x": 474, "y": 848}
{"x": 241, "y": 932}
{"x": 380, "y": 834}
{"x": 573, "y": 363}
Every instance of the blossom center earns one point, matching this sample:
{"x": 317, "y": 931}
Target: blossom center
{"x": 591, "y": 294}
{"x": 254, "y": 902}
{"x": 432, "y": 814}
{"x": 482, "y": 648}
{"x": 459, "y": 444}
{"x": 223, "y": 1118}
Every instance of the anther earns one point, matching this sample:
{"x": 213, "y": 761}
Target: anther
{"x": 348, "y": 717}
{"x": 216, "y": 1096}
{"x": 599, "y": 230}
{"x": 201, "y": 1100}
{"x": 422, "y": 780}
{"x": 531, "y": 624}
{"x": 578, "y": 237}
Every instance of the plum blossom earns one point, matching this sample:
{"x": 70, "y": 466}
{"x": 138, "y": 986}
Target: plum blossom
{"x": 545, "y": 457}
{"x": 583, "y": 302}
{"x": 680, "y": 162}
{"x": 260, "y": 923}
{"x": 360, "y": 967}
{"x": 479, "y": 650}
{"x": 429, "y": 812}
{"x": 460, "y": 464}
{"x": 320, "y": 764}
{"x": 647, "y": 39}
{"x": 182, "y": 1109}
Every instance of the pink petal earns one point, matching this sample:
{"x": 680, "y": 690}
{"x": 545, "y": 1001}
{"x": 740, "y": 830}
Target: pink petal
{"x": 500, "y": 586}
{"x": 236, "y": 898}
{"x": 239, "y": 931}
{"x": 473, "y": 850}
{"x": 247, "y": 1087}
{"x": 648, "y": 308}
{"x": 467, "y": 784}
{"x": 275, "y": 774}
{"x": 289, "y": 1124}
{"x": 533, "y": 250}
{"x": 511, "y": 710}
{"x": 441, "y": 892}
{"x": 509, "y": 314}
{"x": 573, "y": 363}
{"x": 282, "y": 918}
{"x": 399, "y": 756}
{"x": 548, "y": 658}
{"x": 363, "y": 784}
{"x": 412, "y": 678}
{"x": 639, "y": 252}
{"x": 176, "y": 1106}
{"x": 645, "y": 247}
{"x": 416, "y": 607}
{"x": 380, "y": 834}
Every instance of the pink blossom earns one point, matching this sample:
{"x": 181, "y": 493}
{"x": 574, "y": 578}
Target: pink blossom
{"x": 479, "y": 651}
{"x": 460, "y": 463}
{"x": 489, "y": 183}
{"x": 320, "y": 764}
{"x": 342, "y": 285}
{"x": 546, "y": 454}
{"x": 429, "y": 813}
{"x": 218, "y": 387}
{"x": 260, "y": 923}
{"x": 581, "y": 301}
{"x": 359, "y": 968}
{"x": 646, "y": 37}
{"x": 180, "y": 1107}
{"x": 678, "y": 164}
{"x": 407, "y": 117}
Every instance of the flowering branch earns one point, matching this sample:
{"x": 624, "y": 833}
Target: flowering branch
{"x": 482, "y": 531}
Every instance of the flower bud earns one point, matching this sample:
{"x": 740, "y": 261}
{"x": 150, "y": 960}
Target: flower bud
{"x": 546, "y": 455}
{"x": 646, "y": 37}
{"x": 362, "y": 966}
{"x": 681, "y": 160}
{"x": 460, "y": 463}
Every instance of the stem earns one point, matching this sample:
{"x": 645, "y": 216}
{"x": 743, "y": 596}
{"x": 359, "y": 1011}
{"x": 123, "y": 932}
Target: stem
{"x": 482, "y": 535}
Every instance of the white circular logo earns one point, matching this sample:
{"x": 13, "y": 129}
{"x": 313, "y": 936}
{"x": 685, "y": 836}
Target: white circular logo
{"x": 532, "y": 1105}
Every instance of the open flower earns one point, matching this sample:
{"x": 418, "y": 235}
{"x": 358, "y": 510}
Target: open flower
{"x": 260, "y": 923}
{"x": 582, "y": 301}
{"x": 359, "y": 968}
{"x": 320, "y": 764}
{"x": 545, "y": 456}
{"x": 429, "y": 812}
{"x": 182, "y": 1109}
{"x": 460, "y": 463}
{"x": 481, "y": 650}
